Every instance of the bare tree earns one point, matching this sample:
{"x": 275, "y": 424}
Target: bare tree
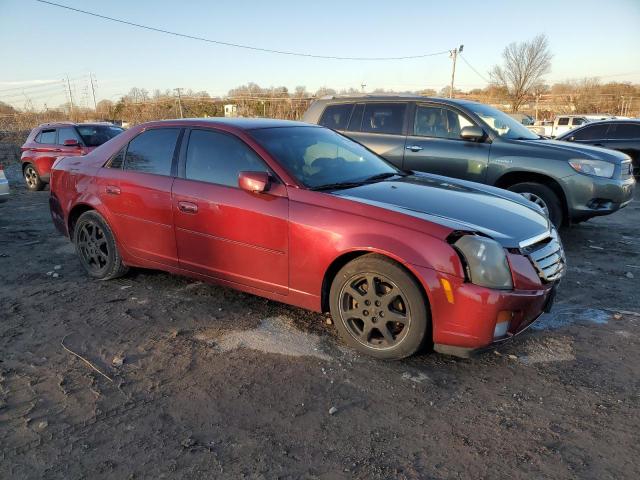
{"x": 525, "y": 64}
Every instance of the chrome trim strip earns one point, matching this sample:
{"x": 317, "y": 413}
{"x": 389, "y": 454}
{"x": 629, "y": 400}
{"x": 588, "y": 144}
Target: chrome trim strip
{"x": 538, "y": 238}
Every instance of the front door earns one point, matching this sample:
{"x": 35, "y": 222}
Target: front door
{"x": 221, "y": 230}
{"x": 435, "y": 145}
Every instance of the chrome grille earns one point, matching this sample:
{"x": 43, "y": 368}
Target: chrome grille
{"x": 548, "y": 257}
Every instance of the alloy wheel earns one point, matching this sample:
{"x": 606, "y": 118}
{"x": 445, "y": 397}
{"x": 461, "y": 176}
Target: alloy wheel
{"x": 31, "y": 176}
{"x": 374, "y": 310}
{"x": 532, "y": 197}
{"x": 93, "y": 246}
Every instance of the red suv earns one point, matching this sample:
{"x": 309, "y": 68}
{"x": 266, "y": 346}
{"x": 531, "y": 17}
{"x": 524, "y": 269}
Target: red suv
{"x": 50, "y": 141}
{"x": 303, "y": 215}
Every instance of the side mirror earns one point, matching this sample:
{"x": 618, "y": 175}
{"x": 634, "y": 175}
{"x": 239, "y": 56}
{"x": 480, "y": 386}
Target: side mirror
{"x": 71, "y": 143}
{"x": 571, "y": 138}
{"x": 472, "y": 133}
{"x": 254, "y": 182}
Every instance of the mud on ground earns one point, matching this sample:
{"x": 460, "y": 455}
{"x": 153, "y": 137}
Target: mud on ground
{"x": 206, "y": 382}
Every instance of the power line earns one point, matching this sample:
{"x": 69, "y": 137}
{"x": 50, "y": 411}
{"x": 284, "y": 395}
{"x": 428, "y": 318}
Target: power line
{"x": 238, "y": 45}
{"x": 472, "y": 68}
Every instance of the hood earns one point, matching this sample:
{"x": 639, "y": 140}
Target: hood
{"x": 568, "y": 150}
{"x": 456, "y": 204}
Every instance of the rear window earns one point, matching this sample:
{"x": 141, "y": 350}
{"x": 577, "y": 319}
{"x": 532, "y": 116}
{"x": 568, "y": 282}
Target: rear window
{"x": 336, "y": 117}
{"x": 95, "y": 135}
{"x": 624, "y": 131}
{"x": 46, "y": 136}
{"x": 384, "y": 117}
{"x": 152, "y": 151}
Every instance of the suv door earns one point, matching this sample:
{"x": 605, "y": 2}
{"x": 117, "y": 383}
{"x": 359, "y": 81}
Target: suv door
{"x": 381, "y": 127}
{"x": 135, "y": 186}
{"x": 625, "y": 137}
{"x": 44, "y": 151}
{"x": 434, "y": 144}
{"x": 221, "y": 230}
{"x": 70, "y": 133}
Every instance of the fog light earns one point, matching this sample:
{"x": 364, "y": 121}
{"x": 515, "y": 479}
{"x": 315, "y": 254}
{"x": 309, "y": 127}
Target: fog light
{"x": 502, "y": 323}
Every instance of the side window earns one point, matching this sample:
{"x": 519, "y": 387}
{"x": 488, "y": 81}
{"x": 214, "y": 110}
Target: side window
{"x": 590, "y": 132}
{"x": 336, "y": 117}
{"x": 384, "y": 117}
{"x": 356, "y": 118}
{"x": 216, "y": 157}
{"x": 439, "y": 122}
{"x": 563, "y": 121}
{"x": 624, "y": 131}
{"x": 47, "y": 136}
{"x": 68, "y": 133}
{"x": 152, "y": 151}
{"x": 117, "y": 160}
{"x": 578, "y": 121}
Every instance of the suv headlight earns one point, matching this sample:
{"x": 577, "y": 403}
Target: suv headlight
{"x": 598, "y": 168}
{"x": 486, "y": 262}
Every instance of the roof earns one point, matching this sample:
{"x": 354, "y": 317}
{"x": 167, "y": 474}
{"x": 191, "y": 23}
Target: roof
{"x": 67, "y": 123}
{"x": 236, "y": 122}
{"x": 395, "y": 96}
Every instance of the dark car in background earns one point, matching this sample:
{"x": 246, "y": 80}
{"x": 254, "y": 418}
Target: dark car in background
{"x": 472, "y": 141}
{"x": 50, "y": 141}
{"x": 621, "y": 135}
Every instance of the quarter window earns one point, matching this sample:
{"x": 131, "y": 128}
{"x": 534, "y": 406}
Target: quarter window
{"x": 46, "y": 136}
{"x": 384, "y": 118}
{"x": 624, "y": 131}
{"x": 117, "y": 160}
{"x": 439, "y": 122}
{"x": 152, "y": 151}
{"x": 68, "y": 133}
{"x": 216, "y": 157}
{"x": 336, "y": 117}
{"x": 578, "y": 121}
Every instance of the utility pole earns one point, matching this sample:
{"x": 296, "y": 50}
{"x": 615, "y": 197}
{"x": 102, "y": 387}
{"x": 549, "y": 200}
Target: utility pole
{"x": 93, "y": 91}
{"x": 362, "y": 85}
{"x": 179, "y": 100}
{"x": 454, "y": 56}
{"x": 70, "y": 98}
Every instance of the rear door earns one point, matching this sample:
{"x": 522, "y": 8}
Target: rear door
{"x": 136, "y": 188}
{"x": 44, "y": 151}
{"x": 625, "y": 137}
{"x": 221, "y": 230}
{"x": 381, "y": 127}
{"x": 435, "y": 146}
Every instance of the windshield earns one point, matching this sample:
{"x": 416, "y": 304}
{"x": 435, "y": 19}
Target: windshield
{"x": 320, "y": 157}
{"x": 95, "y": 135}
{"x": 502, "y": 124}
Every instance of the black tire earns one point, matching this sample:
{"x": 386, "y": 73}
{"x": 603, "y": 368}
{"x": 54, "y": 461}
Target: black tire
{"x": 32, "y": 178}
{"x": 544, "y": 193}
{"x": 96, "y": 247}
{"x": 390, "y": 322}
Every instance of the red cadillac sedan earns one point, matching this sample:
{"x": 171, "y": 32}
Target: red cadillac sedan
{"x": 300, "y": 214}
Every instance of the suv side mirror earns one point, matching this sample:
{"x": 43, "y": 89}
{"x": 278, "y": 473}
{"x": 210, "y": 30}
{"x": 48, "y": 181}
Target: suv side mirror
{"x": 472, "y": 133}
{"x": 71, "y": 143}
{"x": 254, "y": 182}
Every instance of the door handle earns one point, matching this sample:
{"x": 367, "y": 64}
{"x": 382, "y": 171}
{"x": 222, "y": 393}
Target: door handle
{"x": 112, "y": 190}
{"x": 187, "y": 207}
{"x": 57, "y": 149}
{"x": 414, "y": 148}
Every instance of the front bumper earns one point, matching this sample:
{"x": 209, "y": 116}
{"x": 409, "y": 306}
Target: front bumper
{"x": 465, "y": 317}
{"x": 589, "y": 196}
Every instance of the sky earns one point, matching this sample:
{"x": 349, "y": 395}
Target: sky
{"x": 43, "y": 44}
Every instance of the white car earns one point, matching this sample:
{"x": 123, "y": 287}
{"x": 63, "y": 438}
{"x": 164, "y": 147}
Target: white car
{"x": 4, "y": 185}
{"x": 564, "y": 123}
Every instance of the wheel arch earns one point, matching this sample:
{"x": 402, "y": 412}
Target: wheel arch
{"x": 74, "y": 215}
{"x": 511, "y": 178}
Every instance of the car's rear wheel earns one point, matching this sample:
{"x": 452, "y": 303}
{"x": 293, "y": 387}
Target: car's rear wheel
{"x": 96, "y": 247}
{"x": 32, "y": 178}
{"x": 378, "y": 308}
{"x": 544, "y": 197}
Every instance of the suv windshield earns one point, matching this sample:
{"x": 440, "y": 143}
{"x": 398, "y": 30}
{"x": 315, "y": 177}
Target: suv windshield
{"x": 319, "y": 157}
{"x": 95, "y": 135}
{"x": 501, "y": 123}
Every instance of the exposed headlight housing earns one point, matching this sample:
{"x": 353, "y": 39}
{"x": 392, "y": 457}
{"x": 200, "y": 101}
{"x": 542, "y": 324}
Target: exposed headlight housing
{"x": 485, "y": 261}
{"x": 597, "y": 168}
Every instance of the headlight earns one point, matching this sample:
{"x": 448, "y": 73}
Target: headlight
{"x": 598, "y": 168}
{"x": 486, "y": 262}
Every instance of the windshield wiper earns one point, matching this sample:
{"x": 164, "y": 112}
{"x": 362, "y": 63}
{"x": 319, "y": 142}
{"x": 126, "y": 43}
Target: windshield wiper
{"x": 380, "y": 176}
{"x": 371, "y": 179}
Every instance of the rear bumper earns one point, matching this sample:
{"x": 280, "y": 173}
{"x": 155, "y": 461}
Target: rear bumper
{"x": 470, "y": 318}
{"x": 57, "y": 215}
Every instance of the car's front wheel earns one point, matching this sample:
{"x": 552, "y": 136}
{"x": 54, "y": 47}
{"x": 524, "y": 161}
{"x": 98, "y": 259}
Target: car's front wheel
{"x": 544, "y": 197}
{"x": 379, "y": 308}
{"x": 96, "y": 247}
{"x": 32, "y": 178}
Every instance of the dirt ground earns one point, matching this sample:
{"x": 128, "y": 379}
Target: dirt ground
{"x": 205, "y": 382}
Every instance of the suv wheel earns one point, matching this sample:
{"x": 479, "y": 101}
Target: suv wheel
{"x": 542, "y": 196}
{"x": 32, "y": 178}
{"x": 96, "y": 247}
{"x": 378, "y": 308}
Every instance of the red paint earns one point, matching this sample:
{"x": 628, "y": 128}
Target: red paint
{"x": 280, "y": 243}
